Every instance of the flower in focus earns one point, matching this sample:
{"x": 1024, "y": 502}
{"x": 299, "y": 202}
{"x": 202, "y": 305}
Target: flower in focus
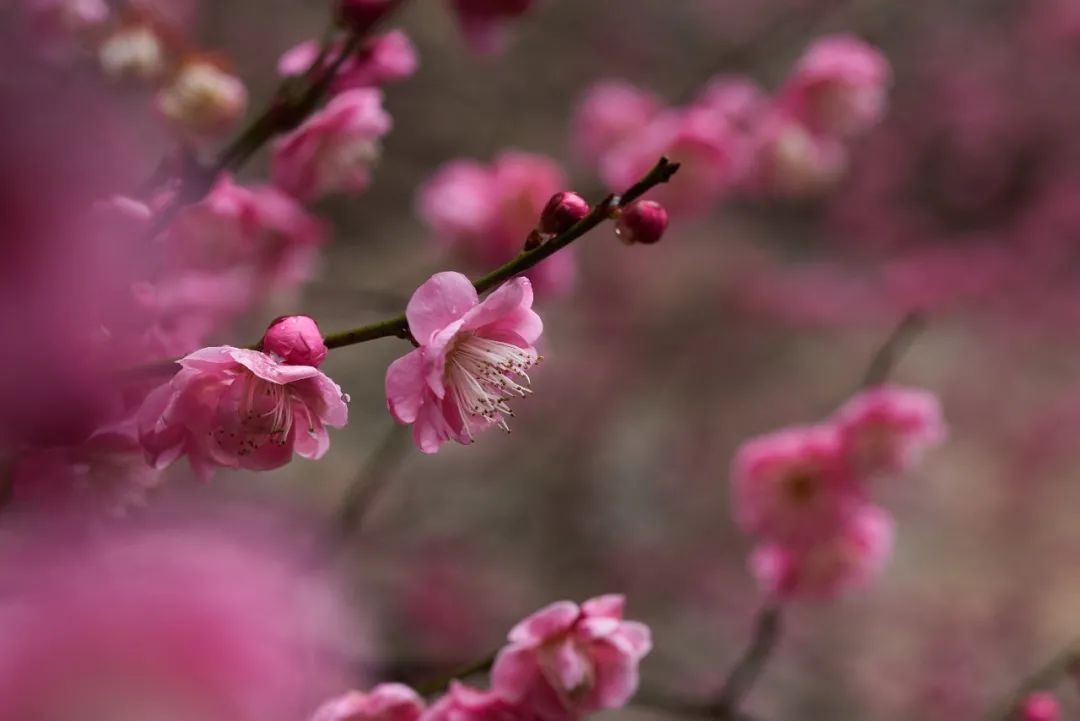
{"x": 565, "y": 660}
{"x": 824, "y": 568}
{"x": 608, "y": 113}
{"x": 385, "y": 702}
{"x": 838, "y": 87}
{"x": 296, "y": 340}
{"x": 171, "y": 622}
{"x": 387, "y": 58}
{"x": 888, "y": 429}
{"x": 334, "y": 149}
{"x": 793, "y": 485}
{"x": 486, "y": 212}
{"x": 240, "y": 408}
{"x": 202, "y": 99}
{"x": 484, "y": 21}
{"x": 473, "y": 357}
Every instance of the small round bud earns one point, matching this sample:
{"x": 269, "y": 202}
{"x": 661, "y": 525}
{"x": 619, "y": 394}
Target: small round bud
{"x": 295, "y": 339}
{"x": 203, "y": 98}
{"x": 362, "y": 14}
{"x": 642, "y": 222}
{"x": 562, "y": 212}
{"x": 1040, "y": 706}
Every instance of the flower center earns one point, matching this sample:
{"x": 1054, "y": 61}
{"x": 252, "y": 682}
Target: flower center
{"x": 480, "y": 376}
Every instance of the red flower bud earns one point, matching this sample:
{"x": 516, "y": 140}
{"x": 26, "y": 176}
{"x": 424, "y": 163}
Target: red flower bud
{"x": 642, "y": 222}
{"x": 562, "y": 212}
{"x": 296, "y": 340}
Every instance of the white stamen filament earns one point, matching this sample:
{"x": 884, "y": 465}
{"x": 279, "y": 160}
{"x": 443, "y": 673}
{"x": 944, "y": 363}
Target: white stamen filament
{"x": 479, "y": 376}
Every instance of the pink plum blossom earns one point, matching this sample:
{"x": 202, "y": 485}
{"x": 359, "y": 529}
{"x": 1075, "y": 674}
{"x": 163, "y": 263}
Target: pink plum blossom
{"x": 484, "y": 21}
{"x": 827, "y": 567}
{"x": 202, "y": 99}
{"x": 737, "y": 99}
{"x": 609, "y": 113}
{"x": 888, "y": 429}
{"x": 790, "y": 161}
{"x": 296, "y": 340}
{"x": 485, "y": 212}
{"x": 387, "y": 58}
{"x": 240, "y": 408}
{"x": 1040, "y": 706}
{"x": 464, "y": 703}
{"x": 566, "y": 660}
{"x": 793, "y": 485}
{"x": 458, "y": 381}
{"x": 838, "y": 87}
{"x": 334, "y": 149}
{"x": 132, "y": 51}
{"x": 385, "y": 702}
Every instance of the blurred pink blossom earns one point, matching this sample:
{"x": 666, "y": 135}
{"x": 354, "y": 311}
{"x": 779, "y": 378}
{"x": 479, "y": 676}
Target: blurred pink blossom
{"x": 464, "y": 703}
{"x": 240, "y": 408}
{"x": 1040, "y": 706}
{"x": 456, "y": 384}
{"x": 387, "y": 58}
{"x": 385, "y": 702}
{"x": 888, "y": 429}
{"x": 202, "y": 99}
{"x": 484, "y": 21}
{"x": 790, "y": 161}
{"x": 565, "y": 661}
{"x": 608, "y": 113}
{"x": 486, "y": 212}
{"x": 333, "y": 150}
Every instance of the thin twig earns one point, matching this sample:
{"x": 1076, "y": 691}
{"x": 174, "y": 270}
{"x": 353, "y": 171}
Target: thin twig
{"x": 889, "y": 354}
{"x": 750, "y": 665}
{"x": 1044, "y": 678}
{"x": 372, "y": 480}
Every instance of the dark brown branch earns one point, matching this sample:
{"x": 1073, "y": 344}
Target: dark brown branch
{"x": 889, "y": 354}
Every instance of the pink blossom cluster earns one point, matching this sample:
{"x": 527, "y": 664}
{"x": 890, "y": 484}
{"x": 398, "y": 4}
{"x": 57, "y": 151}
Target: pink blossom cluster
{"x": 734, "y": 139}
{"x": 562, "y": 663}
{"x": 802, "y": 492}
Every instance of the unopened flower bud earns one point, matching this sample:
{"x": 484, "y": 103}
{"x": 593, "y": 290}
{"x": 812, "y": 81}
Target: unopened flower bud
{"x": 296, "y": 340}
{"x": 134, "y": 51}
{"x": 1040, "y": 706}
{"x": 362, "y": 14}
{"x": 202, "y": 99}
{"x": 642, "y": 222}
{"x": 562, "y": 212}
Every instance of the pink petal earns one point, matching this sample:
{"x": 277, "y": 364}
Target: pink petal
{"x": 546, "y": 623}
{"x": 611, "y": 605}
{"x": 405, "y": 386}
{"x": 442, "y": 299}
{"x": 513, "y": 673}
{"x": 269, "y": 369}
{"x": 508, "y": 308}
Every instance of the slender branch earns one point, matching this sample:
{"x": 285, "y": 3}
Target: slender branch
{"x": 890, "y": 352}
{"x": 372, "y": 480}
{"x": 750, "y": 665}
{"x": 1046, "y": 677}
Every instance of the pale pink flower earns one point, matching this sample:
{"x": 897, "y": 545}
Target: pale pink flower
{"x": 790, "y": 161}
{"x": 240, "y": 408}
{"x": 333, "y": 150}
{"x": 473, "y": 357}
{"x": 486, "y": 212}
{"x": 712, "y": 154}
{"x": 202, "y": 99}
{"x": 464, "y": 703}
{"x": 387, "y": 58}
{"x": 839, "y": 86}
{"x": 566, "y": 660}
{"x": 888, "y": 429}
{"x": 484, "y": 21}
{"x": 827, "y": 567}
{"x": 737, "y": 99}
{"x": 296, "y": 340}
{"x": 609, "y": 113}
{"x": 793, "y": 485}
{"x": 1040, "y": 706}
{"x": 132, "y": 51}
{"x": 385, "y": 702}
{"x": 177, "y": 621}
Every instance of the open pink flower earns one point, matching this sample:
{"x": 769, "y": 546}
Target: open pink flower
{"x": 486, "y": 211}
{"x": 793, "y": 485}
{"x": 383, "y": 59}
{"x": 889, "y": 428}
{"x": 484, "y": 21}
{"x": 464, "y": 703}
{"x": 827, "y": 567}
{"x": 385, "y": 702}
{"x": 565, "y": 660}
{"x": 334, "y": 149}
{"x": 240, "y": 409}
{"x": 456, "y": 384}
{"x": 839, "y": 86}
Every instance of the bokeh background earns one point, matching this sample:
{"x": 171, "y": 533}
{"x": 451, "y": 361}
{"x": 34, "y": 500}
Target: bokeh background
{"x": 964, "y": 204}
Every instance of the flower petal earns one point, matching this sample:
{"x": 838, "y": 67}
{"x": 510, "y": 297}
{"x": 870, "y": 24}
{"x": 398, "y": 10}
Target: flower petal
{"x": 442, "y": 299}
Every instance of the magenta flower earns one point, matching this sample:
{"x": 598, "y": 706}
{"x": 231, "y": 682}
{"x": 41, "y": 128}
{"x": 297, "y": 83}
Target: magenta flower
{"x": 485, "y": 212}
{"x": 384, "y": 59}
{"x": 839, "y": 86}
{"x": 564, "y": 661}
{"x": 457, "y": 383}
{"x": 826, "y": 568}
{"x": 1040, "y": 706}
{"x": 464, "y": 703}
{"x": 793, "y": 485}
{"x": 240, "y": 408}
{"x": 296, "y": 340}
{"x": 332, "y": 152}
{"x": 888, "y": 429}
{"x": 385, "y": 702}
